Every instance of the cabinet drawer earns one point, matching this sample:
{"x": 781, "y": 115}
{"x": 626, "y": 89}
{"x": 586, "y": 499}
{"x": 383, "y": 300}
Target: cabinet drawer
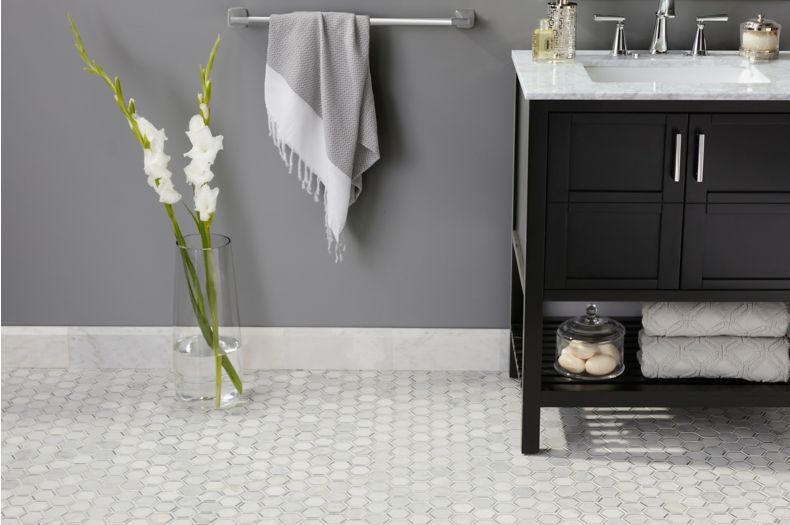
{"x": 616, "y": 152}
{"x": 613, "y": 245}
{"x": 737, "y": 246}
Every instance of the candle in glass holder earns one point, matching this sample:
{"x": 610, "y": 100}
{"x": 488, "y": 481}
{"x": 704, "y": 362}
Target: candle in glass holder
{"x": 760, "y": 39}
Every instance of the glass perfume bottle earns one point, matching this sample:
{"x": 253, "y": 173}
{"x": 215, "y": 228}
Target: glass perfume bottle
{"x": 543, "y": 42}
{"x": 563, "y": 16}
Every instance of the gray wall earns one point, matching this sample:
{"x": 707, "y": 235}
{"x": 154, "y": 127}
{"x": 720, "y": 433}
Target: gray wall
{"x": 85, "y": 242}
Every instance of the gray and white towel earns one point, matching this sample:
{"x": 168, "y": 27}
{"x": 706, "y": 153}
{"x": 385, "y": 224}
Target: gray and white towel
{"x": 714, "y": 319}
{"x": 319, "y": 99}
{"x": 764, "y": 359}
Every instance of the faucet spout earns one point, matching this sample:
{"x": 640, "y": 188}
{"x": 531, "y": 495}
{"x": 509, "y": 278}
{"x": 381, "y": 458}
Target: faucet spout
{"x": 666, "y": 9}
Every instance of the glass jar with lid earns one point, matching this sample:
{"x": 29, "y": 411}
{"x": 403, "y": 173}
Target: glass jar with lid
{"x": 760, "y": 38}
{"x": 590, "y": 347}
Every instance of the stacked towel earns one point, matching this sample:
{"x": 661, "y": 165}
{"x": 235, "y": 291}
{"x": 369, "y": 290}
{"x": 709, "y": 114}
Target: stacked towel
{"x": 710, "y": 319}
{"x": 765, "y": 359}
{"x": 715, "y": 340}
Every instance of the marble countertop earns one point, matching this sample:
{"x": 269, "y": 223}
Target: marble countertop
{"x": 570, "y": 81}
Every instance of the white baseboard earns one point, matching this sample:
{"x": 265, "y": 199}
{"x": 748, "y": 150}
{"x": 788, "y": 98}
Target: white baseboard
{"x": 264, "y": 348}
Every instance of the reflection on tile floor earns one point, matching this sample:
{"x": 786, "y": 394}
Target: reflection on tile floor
{"x": 112, "y": 446}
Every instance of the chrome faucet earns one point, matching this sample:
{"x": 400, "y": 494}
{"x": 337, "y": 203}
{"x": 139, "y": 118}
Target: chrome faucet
{"x": 666, "y": 9}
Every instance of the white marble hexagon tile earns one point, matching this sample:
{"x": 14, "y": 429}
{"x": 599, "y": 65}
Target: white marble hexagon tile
{"x": 113, "y": 446}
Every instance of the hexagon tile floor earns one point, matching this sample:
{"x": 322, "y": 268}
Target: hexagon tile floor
{"x": 113, "y": 446}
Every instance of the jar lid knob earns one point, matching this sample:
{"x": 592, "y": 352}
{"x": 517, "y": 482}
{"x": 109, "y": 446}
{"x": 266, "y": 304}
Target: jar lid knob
{"x": 592, "y": 312}
{"x": 760, "y": 18}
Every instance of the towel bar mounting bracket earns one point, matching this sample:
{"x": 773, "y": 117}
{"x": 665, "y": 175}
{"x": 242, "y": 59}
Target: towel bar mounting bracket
{"x": 461, "y": 19}
{"x": 464, "y": 18}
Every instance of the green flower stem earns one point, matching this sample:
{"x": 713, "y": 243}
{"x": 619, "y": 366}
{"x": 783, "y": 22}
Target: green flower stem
{"x": 193, "y": 282}
{"x": 92, "y": 67}
{"x": 205, "y": 84}
{"x": 232, "y": 374}
{"x": 211, "y": 294}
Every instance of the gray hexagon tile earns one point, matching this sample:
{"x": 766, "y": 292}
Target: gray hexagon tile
{"x": 338, "y": 447}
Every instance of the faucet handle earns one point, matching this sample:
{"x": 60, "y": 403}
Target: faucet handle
{"x": 700, "y": 45}
{"x": 609, "y": 18}
{"x": 619, "y": 47}
{"x": 712, "y": 18}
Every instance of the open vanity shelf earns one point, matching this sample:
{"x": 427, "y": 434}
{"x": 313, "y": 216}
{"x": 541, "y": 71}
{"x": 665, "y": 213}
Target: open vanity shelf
{"x": 633, "y": 389}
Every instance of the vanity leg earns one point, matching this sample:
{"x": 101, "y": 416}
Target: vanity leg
{"x": 530, "y": 428}
{"x": 534, "y": 266}
{"x": 516, "y": 320}
{"x": 531, "y": 372}
{"x": 530, "y": 386}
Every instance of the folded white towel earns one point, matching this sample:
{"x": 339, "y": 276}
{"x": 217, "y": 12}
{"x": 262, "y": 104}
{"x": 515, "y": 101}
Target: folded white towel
{"x": 764, "y": 359}
{"x": 712, "y": 319}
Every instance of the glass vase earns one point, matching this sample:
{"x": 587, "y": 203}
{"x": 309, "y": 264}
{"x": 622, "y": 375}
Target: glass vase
{"x": 207, "y": 360}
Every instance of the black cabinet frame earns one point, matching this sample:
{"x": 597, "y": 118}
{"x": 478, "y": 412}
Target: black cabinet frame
{"x": 532, "y": 338}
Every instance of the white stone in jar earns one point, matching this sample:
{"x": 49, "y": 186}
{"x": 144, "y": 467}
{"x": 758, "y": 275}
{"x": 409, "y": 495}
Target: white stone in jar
{"x": 600, "y": 365}
{"x": 571, "y": 363}
{"x": 610, "y": 350}
{"x": 582, "y": 350}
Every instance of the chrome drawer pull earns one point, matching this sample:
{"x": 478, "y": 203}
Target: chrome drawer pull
{"x": 701, "y": 157}
{"x": 678, "y": 147}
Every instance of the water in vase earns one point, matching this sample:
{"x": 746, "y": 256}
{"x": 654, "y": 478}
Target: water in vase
{"x": 194, "y": 367}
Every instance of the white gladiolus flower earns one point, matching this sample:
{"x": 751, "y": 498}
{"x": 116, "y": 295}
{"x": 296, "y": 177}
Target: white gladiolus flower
{"x": 155, "y": 164}
{"x": 206, "y": 201}
{"x": 155, "y": 160}
{"x": 198, "y": 173}
{"x": 167, "y": 192}
{"x": 204, "y": 145}
{"x": 196, "y": 122}
{"x": 155, "y": 136}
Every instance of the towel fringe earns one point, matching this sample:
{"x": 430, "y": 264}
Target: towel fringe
{"x": 307, "y": 177}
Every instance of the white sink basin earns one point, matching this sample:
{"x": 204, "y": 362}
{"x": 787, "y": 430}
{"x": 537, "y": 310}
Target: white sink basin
{"x": 693, "y": 74}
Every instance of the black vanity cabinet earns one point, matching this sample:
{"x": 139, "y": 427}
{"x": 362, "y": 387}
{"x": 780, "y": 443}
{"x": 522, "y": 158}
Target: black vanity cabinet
{"x": 644, "y": 201}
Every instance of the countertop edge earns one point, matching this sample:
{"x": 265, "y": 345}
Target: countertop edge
{"x": 781, "y": 94}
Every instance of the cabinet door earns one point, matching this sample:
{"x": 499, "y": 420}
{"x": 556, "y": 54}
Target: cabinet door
{"x": 737, "y": 218}
{"x": 615, "y": 191}
{"x": 738, "y": 153}
{"x": 744, "y": 245}
{"x": 631, "y": 154}
{"x": 613, "y": 245}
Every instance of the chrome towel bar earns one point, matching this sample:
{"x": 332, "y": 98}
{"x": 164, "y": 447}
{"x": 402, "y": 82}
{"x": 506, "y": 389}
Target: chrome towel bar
{"x": 461, "y": 19}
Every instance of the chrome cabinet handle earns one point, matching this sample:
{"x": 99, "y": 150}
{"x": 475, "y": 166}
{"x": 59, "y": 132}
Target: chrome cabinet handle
{"x": 701, "y": 157}
{"x": 678, "y": 147}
